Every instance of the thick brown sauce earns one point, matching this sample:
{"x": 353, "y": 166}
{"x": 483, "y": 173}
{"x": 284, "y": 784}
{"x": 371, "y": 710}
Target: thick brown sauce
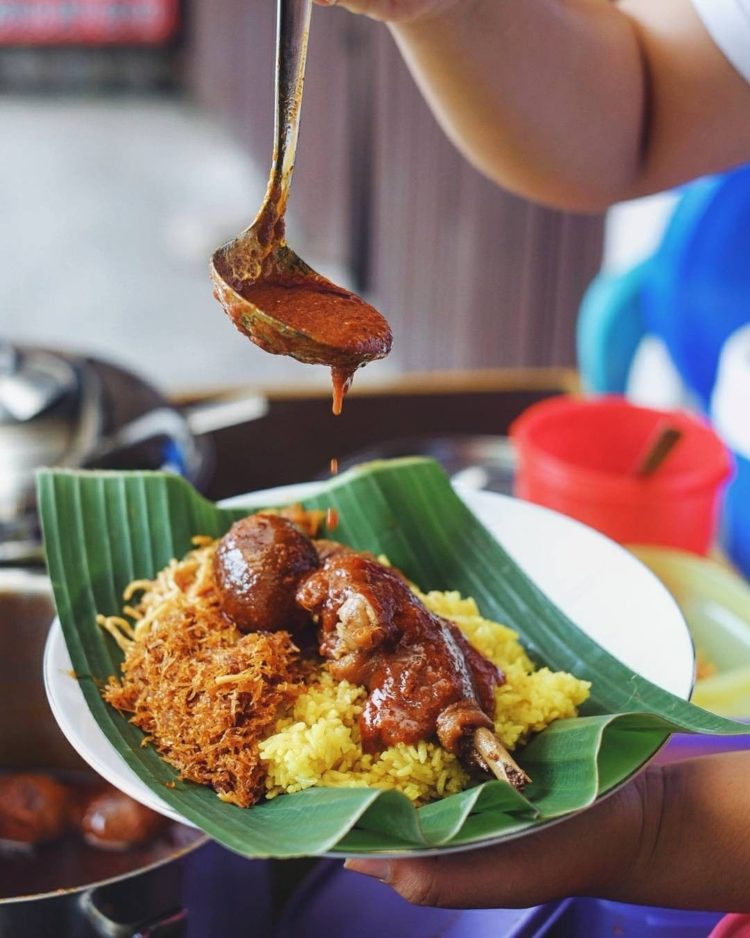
{"x": 341, "y": 379}
{"x": 416, "y": 666}
{"x": 332, "y": 327}
{"x": 353, "y": 330}
{"x": 328, "y": 325}
{"x": 332, "y": 516}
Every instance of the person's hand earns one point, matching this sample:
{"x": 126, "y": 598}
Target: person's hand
{"x": 394, "y": 11}
{"x": 584, "y": 855}
{"x": 677, "y": 836}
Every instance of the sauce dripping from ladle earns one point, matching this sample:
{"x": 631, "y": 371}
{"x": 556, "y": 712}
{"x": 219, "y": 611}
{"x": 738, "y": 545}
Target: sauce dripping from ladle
{"x": 270, "y": 293}
{"x": 332, "y": 516}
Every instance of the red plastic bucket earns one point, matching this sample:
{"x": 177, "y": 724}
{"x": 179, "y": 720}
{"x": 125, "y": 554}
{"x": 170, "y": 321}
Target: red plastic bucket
{"x": 579, "y": 456}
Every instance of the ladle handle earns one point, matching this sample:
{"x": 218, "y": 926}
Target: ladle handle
{"x": 292, "y": 28}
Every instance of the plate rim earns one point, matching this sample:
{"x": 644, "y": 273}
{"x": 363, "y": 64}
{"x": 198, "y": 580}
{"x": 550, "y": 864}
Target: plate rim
{"x": 136, "y": 789}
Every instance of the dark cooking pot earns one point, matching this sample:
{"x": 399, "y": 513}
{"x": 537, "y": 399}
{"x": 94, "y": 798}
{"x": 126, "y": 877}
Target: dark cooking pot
{"x": 198, "y": 890}
{"x": 74, "y": 411}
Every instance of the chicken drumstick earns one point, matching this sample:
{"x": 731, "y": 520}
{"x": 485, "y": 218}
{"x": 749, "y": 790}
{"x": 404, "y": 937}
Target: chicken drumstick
{"x": 423, "y": 676}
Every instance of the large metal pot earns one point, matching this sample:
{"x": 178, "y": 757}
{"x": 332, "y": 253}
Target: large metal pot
{"x": 74, "y": 411}
{"x": 197, "y": 891}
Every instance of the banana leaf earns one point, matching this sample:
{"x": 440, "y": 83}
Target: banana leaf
{"x": 103, "y": 530}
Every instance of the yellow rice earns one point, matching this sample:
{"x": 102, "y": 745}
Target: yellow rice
{"x": 318, "y": 742}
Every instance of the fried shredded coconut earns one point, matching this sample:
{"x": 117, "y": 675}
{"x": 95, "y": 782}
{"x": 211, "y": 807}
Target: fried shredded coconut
{"x": 204, "y": 694}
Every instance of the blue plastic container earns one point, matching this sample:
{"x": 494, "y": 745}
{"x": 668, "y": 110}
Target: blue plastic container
{"x": 693, "y": 293}
{"x": 697, "y": 292}
{"x": 333, "y": 903}
{"x": 225, "y": 894}
{"x": 595, "y": 918}
{"x": 737, "y": 516}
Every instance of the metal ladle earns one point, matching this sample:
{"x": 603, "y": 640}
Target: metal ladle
{"x": 270, "y": 293}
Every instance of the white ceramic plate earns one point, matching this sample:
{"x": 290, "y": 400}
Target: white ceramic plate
{"x": 601, "y": 587}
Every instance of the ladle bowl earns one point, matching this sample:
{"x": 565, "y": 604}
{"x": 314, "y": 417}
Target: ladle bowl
{"x": 272, "y": 296}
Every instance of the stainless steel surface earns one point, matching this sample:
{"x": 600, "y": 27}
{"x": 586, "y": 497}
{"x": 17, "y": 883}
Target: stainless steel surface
{"x": 227, "y": 411}
{"x": 170, "y": 925}
{"x": 261, "y": 250}
{"x": 183, "y": 427}
{"x": 260, "y": 254}
{"x": 50, "y": 414}
{"x": 30, "y": 382}
{"x": 293, "y": 25}
{"x": 159, "y": 422}
{"x": 243, "y": 258}
{"x": 70, "y": 411}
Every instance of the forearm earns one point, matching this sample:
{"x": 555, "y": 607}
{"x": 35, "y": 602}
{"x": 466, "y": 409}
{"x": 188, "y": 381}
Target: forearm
{"x": 678, "y": 836}
{"x": 544, "y": 96}
{"x": 695, "y": 849}
{"x": 576, "y": 103}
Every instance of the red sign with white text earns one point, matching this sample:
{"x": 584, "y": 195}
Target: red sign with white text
{"x": 87, "y": 22}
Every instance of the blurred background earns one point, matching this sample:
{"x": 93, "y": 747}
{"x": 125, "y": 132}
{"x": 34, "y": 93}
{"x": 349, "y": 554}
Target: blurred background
{"x": 137, "y": 137}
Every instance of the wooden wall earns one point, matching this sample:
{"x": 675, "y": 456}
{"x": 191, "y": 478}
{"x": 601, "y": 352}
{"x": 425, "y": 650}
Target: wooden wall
{"x": 469, "y": 275}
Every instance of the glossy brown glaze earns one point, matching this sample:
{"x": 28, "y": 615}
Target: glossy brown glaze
{"x": 34, "y": 808}
{"x": 424, "y": 678}
{"x": 316, "y": 322}
{"x": 332, "y": 515}
{"x": 258, "y": 565}
{"x": 341, "y": 380}
{"x": 113, "y": 821}
{"x": 324, "y": 325}
{"x": 327, "y": 548}
{"x": 351, "y": 329}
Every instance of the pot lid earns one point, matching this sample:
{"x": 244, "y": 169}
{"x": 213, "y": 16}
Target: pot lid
{"x": 71, "y": 411}
{"x": 50, "y": 414}
{"x": 31, "y": 381}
